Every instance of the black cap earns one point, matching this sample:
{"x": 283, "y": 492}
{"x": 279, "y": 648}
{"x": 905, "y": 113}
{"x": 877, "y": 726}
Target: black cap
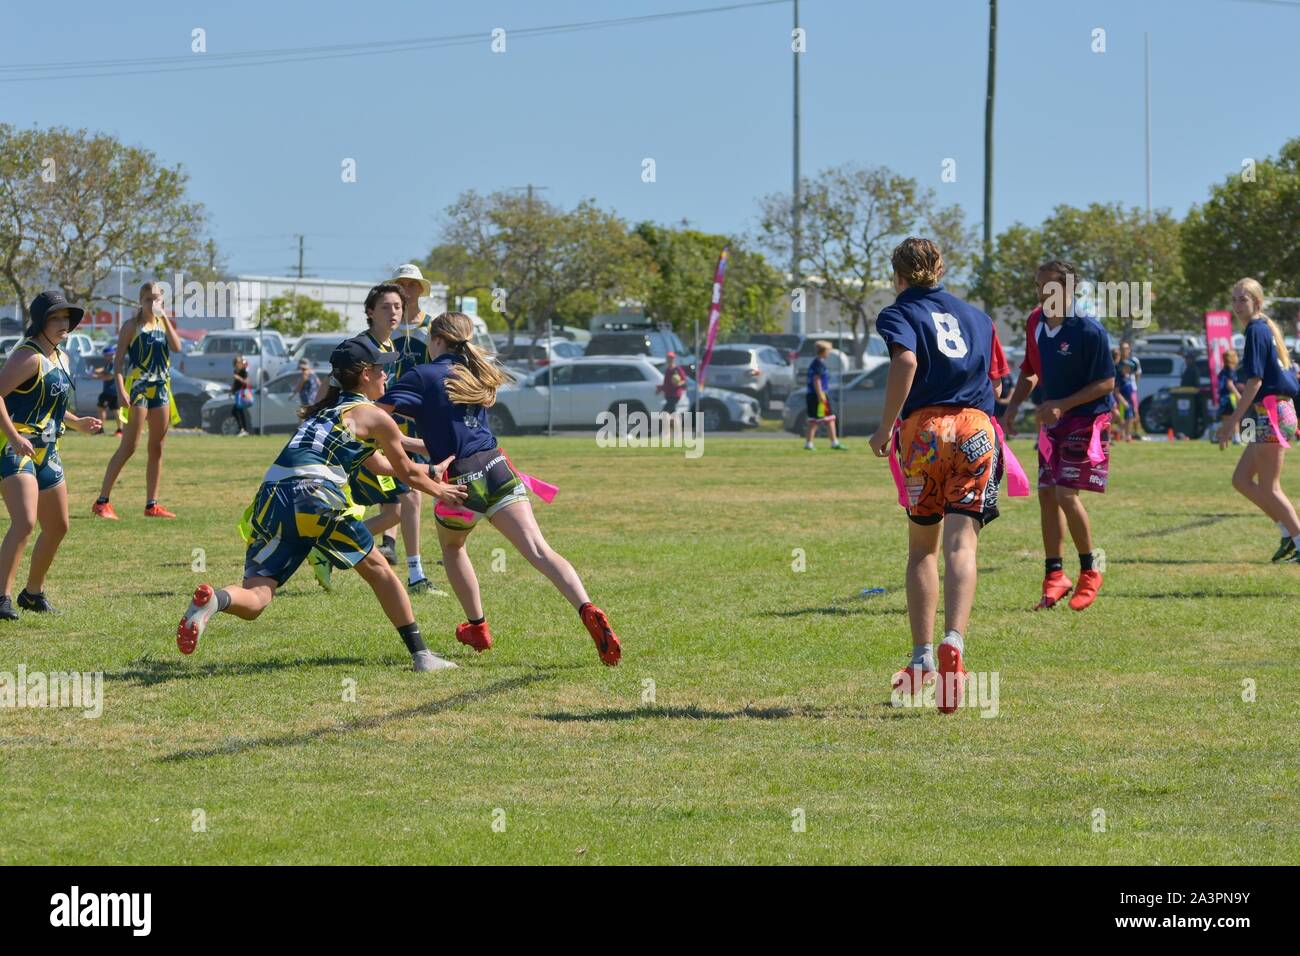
{"x": 360, "y": 351}
{"x": 47, "y": 303}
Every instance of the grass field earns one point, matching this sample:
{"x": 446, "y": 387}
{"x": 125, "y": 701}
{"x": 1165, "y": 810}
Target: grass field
{"x": 770, "y": 686}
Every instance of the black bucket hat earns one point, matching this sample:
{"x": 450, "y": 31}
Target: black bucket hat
{"x": 47, "y": 303}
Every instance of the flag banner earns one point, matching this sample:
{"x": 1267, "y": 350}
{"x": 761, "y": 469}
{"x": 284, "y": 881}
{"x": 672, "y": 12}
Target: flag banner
{"x": 715, "y": 313}
{"x": 1218, "y": 339}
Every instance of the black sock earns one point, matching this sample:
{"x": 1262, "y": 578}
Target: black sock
{"x": 1085, "y": 561}
{"x": 101, "y": 500}
{"x": 151, "y": 502}
{"x": 1055, "y": 564}
{"x": 389, "y": 540}
{"x": 223, "y": 599}
{"x": 410, "y": 635}
{"x": 478, "y": 620}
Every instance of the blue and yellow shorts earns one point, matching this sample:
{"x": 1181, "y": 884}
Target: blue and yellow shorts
{"x": 288, "y": 518}
{"x": 44, "y": 464}
{"x": 491, "y": 484}
{"x": 370, "y": 489}
{"x": 150, "y": 394}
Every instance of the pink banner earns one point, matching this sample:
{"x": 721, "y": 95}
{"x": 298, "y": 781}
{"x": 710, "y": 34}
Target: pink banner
{"x": 715, "y": 312}
{"x": 1218, "y": 339}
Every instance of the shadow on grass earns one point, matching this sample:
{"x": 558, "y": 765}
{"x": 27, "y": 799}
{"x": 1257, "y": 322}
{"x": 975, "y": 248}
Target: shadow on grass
{"x": 1187, "y": 595}
{"x": 148, "y": 672}
{"x": 301, "y": 738}
{"x": 867, "y": 609}
{"x": 1202, "y": 522}
{"x": 691, "y": 712}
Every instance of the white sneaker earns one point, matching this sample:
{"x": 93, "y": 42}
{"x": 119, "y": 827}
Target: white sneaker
{"x": 429, "y": 661}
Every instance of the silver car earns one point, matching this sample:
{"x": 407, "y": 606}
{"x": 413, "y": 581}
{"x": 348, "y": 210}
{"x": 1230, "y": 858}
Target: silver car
{"x": 841, "y": 357}
{"x": 860, "y": 412}
{"x": 583, "y": 388}
{"x": 275, "y": 406}
{"x": 759, "y": 371}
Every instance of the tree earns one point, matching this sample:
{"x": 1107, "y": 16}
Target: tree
{"x": 297, "y": 315}
{"x": 1250, "y": 226}
{"x": 1124, "y": 252}
{"x": 681, "y": 290}
{"x": 537, "y": 262}
{"x": 74, "y": 205}
{"x": 853, "y": 217}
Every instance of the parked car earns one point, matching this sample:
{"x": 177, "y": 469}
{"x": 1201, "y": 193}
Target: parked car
{"x": 860, "y": 413}
{"x": 787, "y": 343}
{"x": 213, "y": 359}
{"x": 1162, "y": 371}
{"x": 579, "y": 390}
{"x": 1176, "y": 341}
{"x": 316, "y": 347}
{"x": 760, "y": 371}
{"x": 528, "y": 354}
{"x": 841, "y": 357}
{"x": 655, "y": 344}
{"x": 190, "y": 393}
{"x": 275, "y": 405}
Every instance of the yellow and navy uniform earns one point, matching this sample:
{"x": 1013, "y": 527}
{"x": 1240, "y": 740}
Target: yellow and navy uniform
{"x": 37, "y": 407}
{"x": 304, "y": 500}
{"x": 368, "y": 488}
{"x": 414, "y": 349}
{"x": 148, "y": 368}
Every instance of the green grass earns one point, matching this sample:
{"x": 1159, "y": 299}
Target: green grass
{"x": 770, "y": 685}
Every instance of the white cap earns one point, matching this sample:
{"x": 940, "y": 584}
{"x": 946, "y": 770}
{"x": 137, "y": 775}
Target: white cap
{"x": 409, "y": 270}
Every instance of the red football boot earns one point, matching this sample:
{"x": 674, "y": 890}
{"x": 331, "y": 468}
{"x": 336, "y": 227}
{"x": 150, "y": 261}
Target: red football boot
{"x": 476, "y": 636}
{"x": 1055, "y": 586}
{"x": 104, "y": 511}
{"x": 156, "y": 510}
{"x": 196, "y": 617}
{"x": 952, "y": 679}
{"x": 1086, "y": 592}
{"x": 607, "y": 645}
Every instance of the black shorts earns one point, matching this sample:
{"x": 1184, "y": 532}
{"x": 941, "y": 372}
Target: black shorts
{"x": 107, "y": 399}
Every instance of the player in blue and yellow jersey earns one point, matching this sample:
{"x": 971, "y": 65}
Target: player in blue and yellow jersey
{"x": 36, "y": 383}
{"x": 304, "y": 503}
{"x": 142, "y": 371}
{"x": 383, "y": 312}
{"x": 944, "y": 355}
{"x": 448, "y": 397}
{"x": 412, "y": 344}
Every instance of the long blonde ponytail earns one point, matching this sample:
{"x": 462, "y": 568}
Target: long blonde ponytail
{"x": 475, "y": 382}
{"x": 1252, "y": 288}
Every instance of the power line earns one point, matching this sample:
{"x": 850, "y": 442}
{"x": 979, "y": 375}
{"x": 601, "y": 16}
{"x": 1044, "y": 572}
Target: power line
{"x": 52, "y": 71}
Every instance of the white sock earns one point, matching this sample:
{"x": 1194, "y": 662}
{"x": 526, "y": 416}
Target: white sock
{"x": 953, "y": 638}
{"x": 1295, "y": 539}
{"x": 414, "y": 570}
{"x": 807, "y": 444}
{"x": 1282, "y": 527}
{"x": 922, "y": 657}
{"x": 835, "y": 443}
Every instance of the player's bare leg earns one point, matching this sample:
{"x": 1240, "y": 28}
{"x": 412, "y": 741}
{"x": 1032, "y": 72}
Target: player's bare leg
{"x": 1052, "y": 519}
{"x": 922, "y": 605}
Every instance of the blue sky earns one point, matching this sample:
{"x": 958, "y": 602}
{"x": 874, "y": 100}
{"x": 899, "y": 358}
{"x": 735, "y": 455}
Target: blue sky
{"x": 708, "y": 98}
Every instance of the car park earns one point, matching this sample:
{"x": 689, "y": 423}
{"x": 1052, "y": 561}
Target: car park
{"x": 760, "y": 371}
{"x": 579, "y": 390}
{"x": 190, "y": 393}
{"x": 653, "y": 343}
{"x": 275, "y": 405}
{"x": 858, "y": 413}
{"x": 841, "y": 358}
{"x": 214, "y": 357}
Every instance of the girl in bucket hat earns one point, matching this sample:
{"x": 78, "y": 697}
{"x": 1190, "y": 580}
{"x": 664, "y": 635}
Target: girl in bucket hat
{"x": 36, "y": 383}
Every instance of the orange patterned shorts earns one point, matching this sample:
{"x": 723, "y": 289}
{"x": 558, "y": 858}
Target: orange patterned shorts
{"x": 950, "y": 463}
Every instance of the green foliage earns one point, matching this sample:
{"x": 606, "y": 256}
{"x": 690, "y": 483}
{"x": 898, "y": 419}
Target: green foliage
{"x": 298, "y": 315}
{"x": 1247, "y": 228}
{"x": 78, "y": 204}
{"x": 853, "y": 217}
{"x": 682, "y": 289}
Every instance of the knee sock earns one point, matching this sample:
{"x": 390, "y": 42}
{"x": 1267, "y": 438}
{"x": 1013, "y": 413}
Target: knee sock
{"x": 410, "y": 635}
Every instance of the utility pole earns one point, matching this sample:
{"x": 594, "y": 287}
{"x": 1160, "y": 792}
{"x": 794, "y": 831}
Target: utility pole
{"x": 796, "y": 244}
{"x": 1146, "y": 71}
{"x": 988, "y": 134}
{"x": 300, "y": 251}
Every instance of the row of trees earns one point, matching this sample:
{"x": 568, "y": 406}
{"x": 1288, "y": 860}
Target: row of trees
{"x": 76, "y": 205}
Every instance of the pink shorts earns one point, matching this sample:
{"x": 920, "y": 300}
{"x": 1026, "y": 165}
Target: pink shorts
{"x": 1069, "y": 465}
